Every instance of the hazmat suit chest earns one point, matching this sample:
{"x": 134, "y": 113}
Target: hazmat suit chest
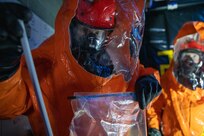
{"x": 60, "y": 79}
{"x": 60, "y": 75}
{"x": 184, "y": 109}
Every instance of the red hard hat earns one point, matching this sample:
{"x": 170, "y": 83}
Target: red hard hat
{"x": 192, "y": 45}
{"x": 99, "y": 13}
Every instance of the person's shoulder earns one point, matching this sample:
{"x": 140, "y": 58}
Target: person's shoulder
{"x": 45, "y": 49}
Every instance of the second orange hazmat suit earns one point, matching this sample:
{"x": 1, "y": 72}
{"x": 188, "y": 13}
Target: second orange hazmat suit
{"x": 60, "y": 76}
{"x": 179, "y": 111}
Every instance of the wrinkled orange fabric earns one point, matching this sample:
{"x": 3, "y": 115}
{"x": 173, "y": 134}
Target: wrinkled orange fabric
{"x": 178, "y": 111}
{"x": 60, "y": 76}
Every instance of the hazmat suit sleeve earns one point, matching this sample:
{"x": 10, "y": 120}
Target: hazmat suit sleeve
{"x": 17, "y": 95}
{"x": 14, "y": 98}
{"x": 154, "y": 112}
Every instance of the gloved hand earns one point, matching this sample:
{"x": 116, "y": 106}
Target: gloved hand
{"x": 146, "y": 89}
{"x": 154, "y": 132}
{"x": 10, "y": 34}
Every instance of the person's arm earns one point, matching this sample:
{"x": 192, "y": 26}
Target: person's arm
{"x": 148, "y": 90}
{"x": 14, "y": 98}
{"x": 154, "y": 116}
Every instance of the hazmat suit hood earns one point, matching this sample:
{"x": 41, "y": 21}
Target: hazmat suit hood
{"x": 129, "y": 22}
{"x": 189, "y": 55}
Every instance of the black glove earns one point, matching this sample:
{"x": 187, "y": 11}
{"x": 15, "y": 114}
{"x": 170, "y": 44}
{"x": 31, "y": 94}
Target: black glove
{"x": 154, "y": 132}
{"x": 10, "y": 34}
{"x": 146, "y": 89}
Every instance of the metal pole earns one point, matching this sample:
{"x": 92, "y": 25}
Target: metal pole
{"x": 34, "y": 78}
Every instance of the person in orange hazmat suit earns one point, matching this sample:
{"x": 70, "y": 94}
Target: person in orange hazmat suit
{"x": 94, "y": 48}
{"x": 179, "y": 109}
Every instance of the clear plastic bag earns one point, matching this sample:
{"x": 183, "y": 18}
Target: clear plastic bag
{"x": 107, "y": 115}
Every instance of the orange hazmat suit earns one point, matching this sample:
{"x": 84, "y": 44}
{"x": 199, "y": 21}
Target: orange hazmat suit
{"x": 179, "y": 111}
{"x": 59, "y": 76}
